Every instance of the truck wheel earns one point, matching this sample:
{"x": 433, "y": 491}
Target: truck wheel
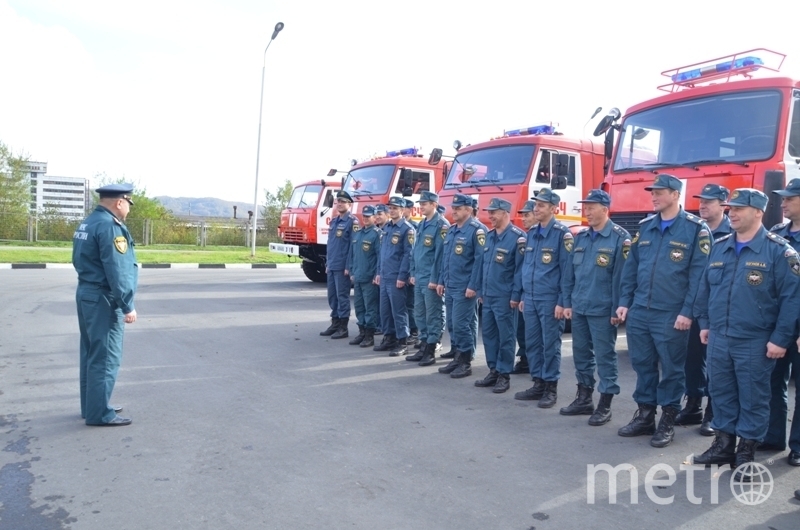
{"x": 314, "y": 273}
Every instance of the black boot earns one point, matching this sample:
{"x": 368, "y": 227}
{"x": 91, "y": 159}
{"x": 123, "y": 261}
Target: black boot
{"x": 428, "y": 356}
{"x": 388, "y": 343}
{"x": 503, "y": 383}
{"x": 692, "y": 412}
{"x": 489, "y": 380}
{"x": 522, "y": 366}
{"x": 401, "y": 348}
{"x": 583, "y": 403}
{"x": 417, "y": 356}
{"x": 369, "y": 338}
{"x": 745, "y": 453}
{"x": 722, "y": 451}
{"x": 705, "y": 427}
{"x": 602, "y": 414}
{"x": 341, "y": 333}
{"x": 452, "y": 365}
{"x": 450, "y": 354}
{"x": 464, "y": 366}
{"x": 666, "y": 427}
{"x": 643, "y": 422}
{"x": 358, "y": 339}
{"x": 333, "y": 328}
{"x": 533, "y": 393}
{"x": 550, "y": 395}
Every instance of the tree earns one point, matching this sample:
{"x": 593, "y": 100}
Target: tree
{"x": 144, "y": 207}
{"x": 274, "y": 203}
{"x": 14, "y": 185}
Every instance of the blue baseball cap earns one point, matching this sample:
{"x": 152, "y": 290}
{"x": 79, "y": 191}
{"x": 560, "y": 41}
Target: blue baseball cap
{"x": 748, "y": 197}
{"x": 459, "y": 199}
{"x": 665, "y": 182}
{"x": 116, "y": 191}
{"x": 380, "y": 208}
{"x": 498, "y": 204}
{"x": 599, "y": 197}
{"x": 714, "y": 191}
{"x": 397, "y": 201}
{"x": 547, "y": 195}
{"x": 441, "y": 209}
{"x": 528, "y": 206}
{"x": 368, "y": 211}
{"x": 474, "y": 202}
{"x": 343, "y": 195}
{"x": 409, "y": 203}
{"x": 428, "y": 196}
{"x": 792, "y": 189}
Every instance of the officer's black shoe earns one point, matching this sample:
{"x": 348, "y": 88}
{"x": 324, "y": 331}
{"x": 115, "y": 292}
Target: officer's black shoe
{"x": 450, "y": 354}
{"x": 358, "y": 339}
{"x": 429, "y": 355}
{"x": 705, "y": 427}
{"x": 464, "y": 368}
{"x": 342, "y": 332}
{"x": 503, "y": 383}
{"x": 489, "y": 380}
{"x": 602, "y": 414}
{"x": 401, "y": 348}
{"x": 794, "y": 458}
{"x": 333, "y": 328}
{"x": 418, "y": 355}
{"x": 692, "y": 412}
{"x": 522, "y": 366}
{"x": 369, "y": 338}
{"x": 388, "y": 343}
{"x": 550, "y": 395}
{"x": 583, "y": 403}
{"x": 745, "y": 453}
{"x": 722, "y": 451}
{"x": 643, "y": 422}
{"x": 413, "y": 338}
{"x": 666, "y": 427}
{"x": 533, "y": 393}
{"x": 452, "y": 365}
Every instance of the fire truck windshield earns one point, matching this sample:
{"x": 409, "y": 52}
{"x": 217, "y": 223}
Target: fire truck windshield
{"x": 733, "y": 127}
{"x": 370, "y": 180}
{"x": 304, "y": 196}
{"x": 507, "y": 164}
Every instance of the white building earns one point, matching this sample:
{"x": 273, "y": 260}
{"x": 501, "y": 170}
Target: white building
{"x": 68, "y": 196}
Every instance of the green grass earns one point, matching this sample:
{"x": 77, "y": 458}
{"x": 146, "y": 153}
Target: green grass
{"x": 154, "y": 254}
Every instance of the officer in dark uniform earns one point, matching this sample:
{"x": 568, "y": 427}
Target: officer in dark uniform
{"x": 521, "y": 367}
{"x": 591, "y": 297}
{"x": 500, "y": 294}
{"x": 103, "y": 257}
{"x": 546, "y": 257}
{"x": 789, "y": 363}
{"x": 380, "y": 218}
{"x": 659, "y": 286}
{"x": 426, "y": 266}
{"x": 393, "y": 273}
{"x": 362, "y": 267}
{"x": 712, "y": 211}
{"x": 748, "y": 304}
{"x": 413, "y": 337}
{"x": 461, "y": 278}
{"x": 447, "y": 321}
{"x": 340, "y": 234}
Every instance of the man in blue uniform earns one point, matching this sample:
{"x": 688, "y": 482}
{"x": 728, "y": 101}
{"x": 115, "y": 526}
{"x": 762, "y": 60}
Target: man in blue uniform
{"x": 547, "y": 249}
{"x": 448, "y": 304}
{"x": 426, "y": 267}
{"x": 413, "y": 337}
{"x": 393, "y": 273}
{"x": 500, "y": 294}
{"x": 461, "y": 278}
{"x": 789, "y": 363}
{"x": 659, "y": 286}
{"x": 103, "y": 256}
{"x": 340, "y": 234}
{"x": 591, "y": 297}
{"x": 380, "y": 218}
{"x": 362, "y": 267}
{"x": 712, "y": 211}
{"x": 748, "y": 304}
{"x": 521, "y": 367}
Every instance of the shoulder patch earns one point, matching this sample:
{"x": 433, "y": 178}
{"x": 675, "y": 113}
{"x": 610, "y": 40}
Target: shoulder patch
{"x": 794, "y": 260}
{"x": 561, "y": 227}
{"x": 569, "y": 241}
{"x": 779, "y": 226}
{"x": 621, "y": 231}
{"x": 521, "y": 242}
{"x": 517, "y": 230}
{"x": 723, "y": 238}
{"x": 121, "y": 244}
{"x": 480, "y": 235}
{"x": 693, "y": 218}
{"x": 443, "y": 232}
{"x": 777, "y": 239}
{"x": 647, "y": 218}
{"x": 626, "y": 248}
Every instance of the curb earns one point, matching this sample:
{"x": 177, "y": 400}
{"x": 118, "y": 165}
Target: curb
{"x": 162, "y": 265}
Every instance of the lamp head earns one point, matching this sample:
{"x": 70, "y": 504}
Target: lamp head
{"x": 278, "y": 28}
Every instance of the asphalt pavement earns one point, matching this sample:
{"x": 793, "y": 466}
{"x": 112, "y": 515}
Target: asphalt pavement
{"x": 244, "y": 417}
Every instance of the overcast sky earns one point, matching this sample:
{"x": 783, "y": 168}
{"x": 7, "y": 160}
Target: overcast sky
{"x": 166, "y": 92}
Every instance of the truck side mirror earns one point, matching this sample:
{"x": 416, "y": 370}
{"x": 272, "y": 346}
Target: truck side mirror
{"x": 328, "y": 201}
{"x": 558, "y": 182}
{"x": 562, "y": 168}
{"x": 436, "y": 156}
{"x": 407, "y": 178}
{"x": 607, "y": 121}
{"x": 332, "y": 172}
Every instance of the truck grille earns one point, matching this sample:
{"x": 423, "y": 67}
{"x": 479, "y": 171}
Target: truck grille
{"x": 294, "y": 235}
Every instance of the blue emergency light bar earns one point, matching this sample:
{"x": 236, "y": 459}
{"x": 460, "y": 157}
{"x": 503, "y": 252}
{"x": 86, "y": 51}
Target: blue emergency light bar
{"x": 749, "y": 63}
{"x": 410, "y": 151}
{"x": 535, "y": 130}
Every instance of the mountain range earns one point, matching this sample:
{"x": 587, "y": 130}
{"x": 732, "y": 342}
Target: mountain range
{"x": 204, "y": 206}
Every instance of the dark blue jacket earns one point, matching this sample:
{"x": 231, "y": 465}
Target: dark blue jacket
{"x": 462, "y": 256}
{"x": 340, "y": 234}
{"x": 502, "y": 263}
{"x": 547, "y": 253}
{"x": 365, "y": 249}
{"x": 426, "y": 264}
{"x": 396, "y": 246}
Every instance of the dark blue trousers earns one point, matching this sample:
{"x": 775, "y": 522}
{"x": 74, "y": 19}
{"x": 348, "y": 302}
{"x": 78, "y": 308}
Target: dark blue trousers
{"x": 339, "y": 294}
{"x": 393, "y": 308}
{"x": 465, "y": 322}
{"x": 412, "y": 321}
{"x": 593, "y": 341}
{"x": 365, "y": 298}
{"x": 499, "y": 328}
{"x": 429, "y": 313}
{"x": 543, "y": 338}
{"x": 520, "y": 333}
{"x": 779, "y": 402}
{"x": 696, "y": 376}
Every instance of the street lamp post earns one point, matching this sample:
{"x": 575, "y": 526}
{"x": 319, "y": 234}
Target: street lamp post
{"x": 278, "y": 28}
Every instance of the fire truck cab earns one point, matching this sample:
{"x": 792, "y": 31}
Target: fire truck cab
{"x": 717, "y": 123}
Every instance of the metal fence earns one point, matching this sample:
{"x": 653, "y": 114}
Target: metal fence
{"x": 195, "y": 231}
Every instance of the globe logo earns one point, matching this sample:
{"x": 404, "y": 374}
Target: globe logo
{"x": 754, "y": 485}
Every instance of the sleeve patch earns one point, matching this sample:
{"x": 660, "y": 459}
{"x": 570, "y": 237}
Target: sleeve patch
{"x": 121, "y": 244}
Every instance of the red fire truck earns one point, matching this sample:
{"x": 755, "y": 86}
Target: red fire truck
{"x": 304, "y": 223}
{"x": 521, "y": 162}
{"x": 717, "y": 123}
